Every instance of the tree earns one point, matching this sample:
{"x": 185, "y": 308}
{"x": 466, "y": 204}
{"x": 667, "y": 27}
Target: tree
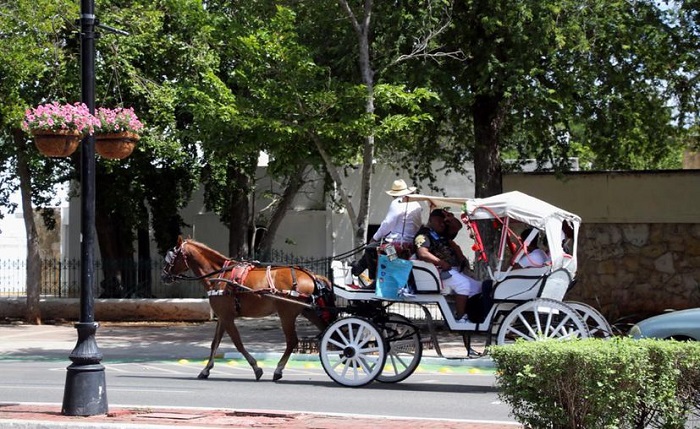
{"x": 41, "y": 62}
{"x": 546, "y": 77}
{"x": 34, "y": 68}
{"x": 391, "y": 110}
{"x": 149, "y": 70}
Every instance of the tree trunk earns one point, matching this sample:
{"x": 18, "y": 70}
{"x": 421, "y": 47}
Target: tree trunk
{"x": 144, "y": 289}
{"x": 362, "y": 28}
{"x": 294, "y": 184}
{"x": 116, "y": 253}
{"x": 33, "y": 285}
{"x": 239, "y": 214}
{"x": 487, "y": 114}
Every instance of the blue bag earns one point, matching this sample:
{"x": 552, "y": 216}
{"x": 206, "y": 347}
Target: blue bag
{"x": 392, "y": 275}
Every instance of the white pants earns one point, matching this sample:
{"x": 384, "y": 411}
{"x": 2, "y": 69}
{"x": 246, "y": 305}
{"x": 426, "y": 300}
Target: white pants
{"x": 461, "y": 284}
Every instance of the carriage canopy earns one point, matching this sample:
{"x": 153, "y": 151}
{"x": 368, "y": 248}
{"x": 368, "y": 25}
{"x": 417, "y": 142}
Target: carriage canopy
{"x": 523, "y": 208}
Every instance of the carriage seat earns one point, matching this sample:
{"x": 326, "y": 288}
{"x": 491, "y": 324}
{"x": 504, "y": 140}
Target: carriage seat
{"x": 530, "y": 283}
{"x": 341, "y": 275}
{"x": 426, "y": 276}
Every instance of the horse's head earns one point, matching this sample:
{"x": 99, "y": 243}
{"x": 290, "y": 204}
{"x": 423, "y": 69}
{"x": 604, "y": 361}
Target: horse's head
{"x": 175, "y": 262}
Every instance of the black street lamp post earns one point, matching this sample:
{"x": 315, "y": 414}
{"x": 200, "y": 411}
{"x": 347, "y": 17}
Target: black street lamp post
{"x": 85, "y": 392}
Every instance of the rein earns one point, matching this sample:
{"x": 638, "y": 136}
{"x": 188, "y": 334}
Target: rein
{"x": 202, "y": 277}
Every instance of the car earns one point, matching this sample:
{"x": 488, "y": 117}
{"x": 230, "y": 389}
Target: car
{"x": 681, "y": 325}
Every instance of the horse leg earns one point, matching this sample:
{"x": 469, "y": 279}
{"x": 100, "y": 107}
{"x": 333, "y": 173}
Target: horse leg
{"x": 232, "y": 330}
{"x": 218, "y": 335}
{"x": 290, "y": 335}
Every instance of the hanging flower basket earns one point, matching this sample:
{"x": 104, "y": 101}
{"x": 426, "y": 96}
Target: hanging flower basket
{"x": 115, "y": 145}
{"x": 57, "y": 144}
{"x": 117, "y": 132}
{"x": 58, "y": 128}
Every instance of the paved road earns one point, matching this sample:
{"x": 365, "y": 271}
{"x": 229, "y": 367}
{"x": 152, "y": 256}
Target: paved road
{"x": 155, "y": 365}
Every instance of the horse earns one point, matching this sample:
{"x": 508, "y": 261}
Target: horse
{"x": 246, "y": 289}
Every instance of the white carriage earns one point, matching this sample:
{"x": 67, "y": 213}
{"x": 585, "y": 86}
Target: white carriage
{"x": 370, "y": 342}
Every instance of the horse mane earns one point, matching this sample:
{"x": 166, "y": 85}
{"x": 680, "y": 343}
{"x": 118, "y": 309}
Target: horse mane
{"x": 207, "y": 251}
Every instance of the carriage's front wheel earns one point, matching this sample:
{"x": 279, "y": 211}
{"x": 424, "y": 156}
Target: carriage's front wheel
{"x": 352, "y": 351}
{"x": 541, "y": 319}
{"x": 405, "y": 348}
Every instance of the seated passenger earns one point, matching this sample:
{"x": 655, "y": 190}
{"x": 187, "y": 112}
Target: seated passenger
{"x": 452, "y": 227}
{"x": 533, "y": 256}
{"x": 433, "y": 246}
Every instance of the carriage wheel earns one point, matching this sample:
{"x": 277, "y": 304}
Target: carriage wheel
{"x": 598, "y": 326}
{"x": 405, "y": 349}
{"x": 541, "y": 319}
{"x": 352, "y": 351}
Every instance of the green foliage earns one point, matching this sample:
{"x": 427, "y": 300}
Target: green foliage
{"x": 618, "y": 383}
{"x": 612, "y": 82}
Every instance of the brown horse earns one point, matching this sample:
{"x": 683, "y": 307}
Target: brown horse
{"x": 242, "y": 289}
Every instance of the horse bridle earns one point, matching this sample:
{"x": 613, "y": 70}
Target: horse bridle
{"x": 171, "y": 256}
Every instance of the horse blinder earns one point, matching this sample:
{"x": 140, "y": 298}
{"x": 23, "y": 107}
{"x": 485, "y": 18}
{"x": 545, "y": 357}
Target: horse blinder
{"x": 166, "y": 275}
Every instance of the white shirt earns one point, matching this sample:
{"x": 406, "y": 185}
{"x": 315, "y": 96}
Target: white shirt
{"x": 536, "y": 258}
{"x": 401, "y": 222}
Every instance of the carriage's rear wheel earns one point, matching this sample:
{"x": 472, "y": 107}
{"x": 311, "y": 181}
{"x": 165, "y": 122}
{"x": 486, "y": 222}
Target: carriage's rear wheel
{"x": 598, "y": 326}
{"x": 404, "y": 348}
{"x": 352, "y": 351}
{"x": 541, "y": 319}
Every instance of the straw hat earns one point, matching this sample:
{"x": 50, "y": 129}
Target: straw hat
{"x": 399, "y": 189}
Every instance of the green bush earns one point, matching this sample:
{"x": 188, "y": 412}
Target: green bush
{"x": 594, "y": 383}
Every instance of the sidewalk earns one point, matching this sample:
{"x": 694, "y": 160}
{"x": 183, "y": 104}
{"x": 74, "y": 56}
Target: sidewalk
{"x": 46, "y": 416}
{"x": 152, "y": 340}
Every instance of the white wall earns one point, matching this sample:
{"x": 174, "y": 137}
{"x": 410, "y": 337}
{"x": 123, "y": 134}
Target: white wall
{"x": 308, "y": 230}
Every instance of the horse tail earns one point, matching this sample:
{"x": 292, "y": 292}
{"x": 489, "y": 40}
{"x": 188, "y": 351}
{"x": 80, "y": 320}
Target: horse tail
{"x": 324, "y": 299}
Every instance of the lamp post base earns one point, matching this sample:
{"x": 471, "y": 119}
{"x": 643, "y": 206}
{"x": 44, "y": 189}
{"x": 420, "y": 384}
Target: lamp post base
{"x": 85, "y": 392}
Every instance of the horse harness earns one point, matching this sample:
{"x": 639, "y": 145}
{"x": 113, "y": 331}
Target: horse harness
{"x": 233, "y": 274}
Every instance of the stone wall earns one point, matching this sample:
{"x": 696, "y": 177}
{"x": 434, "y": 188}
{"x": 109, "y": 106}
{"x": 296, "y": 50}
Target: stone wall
{"x": 113, "y": 309}
{"x": 630, "y": 271}
{"x": 639, "y": 244}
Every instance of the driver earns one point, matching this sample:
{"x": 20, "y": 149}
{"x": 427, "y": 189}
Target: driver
{"x": 432, "y": 245}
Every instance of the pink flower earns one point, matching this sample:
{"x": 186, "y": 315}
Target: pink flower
{"x": 117, "y": 120}
{"x": 55, "y": 116}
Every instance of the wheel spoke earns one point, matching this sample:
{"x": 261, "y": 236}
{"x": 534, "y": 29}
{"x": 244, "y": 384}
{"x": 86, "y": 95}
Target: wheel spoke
{"x": 342, "y": 336}
{"x": 392, "y": 366}
{"x": 336, "y": 343}
{"x": 538, "y": 322}
{"x": 396, "y": 359}
{"x": 526, "y": 324}
{"x": 366, "y": 363}
{"x": 346, "y": 366}
{"x": 521, "y": 334}
{"x": 560, "y": 327}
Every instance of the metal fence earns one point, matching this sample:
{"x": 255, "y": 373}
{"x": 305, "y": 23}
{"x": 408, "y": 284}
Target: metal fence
{"x": 61, "y": 278}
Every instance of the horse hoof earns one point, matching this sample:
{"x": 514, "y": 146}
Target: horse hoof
{"x": 276, "y": 377}
{"x": 203, "y": 376}
{"x": 258, "y": 373}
